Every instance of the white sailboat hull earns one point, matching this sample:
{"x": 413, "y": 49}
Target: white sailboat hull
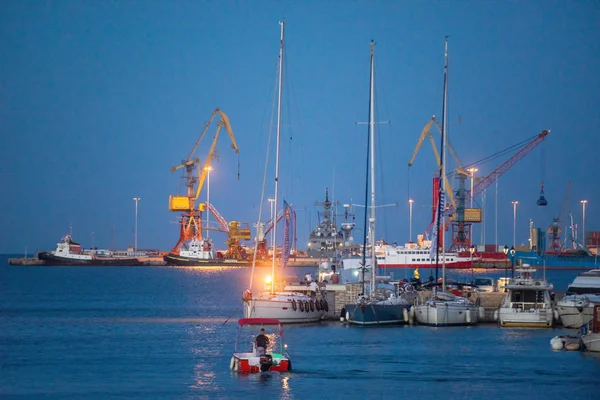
{"x": 281, "y": 310}
{"x": 447, "y": 313}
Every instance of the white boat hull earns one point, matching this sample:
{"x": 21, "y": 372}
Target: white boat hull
{"x": 447, "y": 313}
{"x": 591, "y": 341}
{"x": 281, "y": 310}
{"x": 572, "y": 316}
{"x": 533, "y": 318}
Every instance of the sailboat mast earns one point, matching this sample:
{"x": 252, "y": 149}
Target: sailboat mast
{"x": 372, "y": 139}
{"x": 445, "y": 142}
{"x": 282, "y": 23}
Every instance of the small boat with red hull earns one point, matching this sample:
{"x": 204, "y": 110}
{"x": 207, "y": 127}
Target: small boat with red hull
{"x": 273, "y": 359}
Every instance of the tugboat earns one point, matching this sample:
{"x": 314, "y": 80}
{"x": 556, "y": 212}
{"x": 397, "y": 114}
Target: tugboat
{"x": 200, "y": 252}
{"x": 68, "y": 252}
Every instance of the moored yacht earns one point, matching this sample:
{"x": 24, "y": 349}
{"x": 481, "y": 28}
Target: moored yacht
{"x": 527, "y": 302}
{"x": 577, "y": 307}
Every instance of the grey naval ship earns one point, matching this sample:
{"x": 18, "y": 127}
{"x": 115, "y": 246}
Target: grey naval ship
{"x": 327, "y": 241}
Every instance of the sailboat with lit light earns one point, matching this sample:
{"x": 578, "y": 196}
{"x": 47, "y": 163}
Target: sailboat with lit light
{"x": 287, "y": 306}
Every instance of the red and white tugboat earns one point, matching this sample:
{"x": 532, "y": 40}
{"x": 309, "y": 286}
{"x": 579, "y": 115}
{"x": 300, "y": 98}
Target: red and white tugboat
{"x": 272, "y": 358}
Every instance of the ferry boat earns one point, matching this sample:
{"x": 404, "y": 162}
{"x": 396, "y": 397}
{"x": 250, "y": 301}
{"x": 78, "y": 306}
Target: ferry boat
{"x": 200, "y": 253}
{"x": 417, "y": 255}
{"x": 68, "y": 253}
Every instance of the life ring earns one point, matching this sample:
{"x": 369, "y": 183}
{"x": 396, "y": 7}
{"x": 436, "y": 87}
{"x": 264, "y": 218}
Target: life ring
{"x": 401, "y": 289}
{"x": 301, "y": 306}
{"x": 312, "y": 306}
{"x": 247, "y": 296}
{"x": 232, "y": 363}
{"x": 294, "y": 306}
{"x": 408, "y": 288}
{"x": 325, "y": 306}
{"x": 318, "y": 305}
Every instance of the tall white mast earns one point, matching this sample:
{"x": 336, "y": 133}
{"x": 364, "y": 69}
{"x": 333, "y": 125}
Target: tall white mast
{"x": 282, "y": 23}
{"x": 445, "y": 130}
{"x": 372, "y": 134}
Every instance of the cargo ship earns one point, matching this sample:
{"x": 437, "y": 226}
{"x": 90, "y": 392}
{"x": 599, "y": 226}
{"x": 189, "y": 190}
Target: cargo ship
{"x": 68, "y": 253}
{"x": 579, "y": 257}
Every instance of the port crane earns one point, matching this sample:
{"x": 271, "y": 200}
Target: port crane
{"x": 461, "y": 229}
{"x": 263, "y": 229}
{"x": 191, "y": 216}
{"x": 235, "y": 230}
{"x": 554, "y": 230}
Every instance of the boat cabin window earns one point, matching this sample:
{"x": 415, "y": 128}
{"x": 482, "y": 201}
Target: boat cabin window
{"x": 527, "y": 296}
{"x": 583, "y": 290}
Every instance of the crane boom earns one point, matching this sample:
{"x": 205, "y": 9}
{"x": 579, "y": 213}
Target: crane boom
{"x": 427, "y": 132}
{"x": 186, "y": 203}
{"x": 508, "y": 164}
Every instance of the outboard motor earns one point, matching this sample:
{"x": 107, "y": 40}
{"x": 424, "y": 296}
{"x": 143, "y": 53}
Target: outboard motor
{"x": 266, "y": 362}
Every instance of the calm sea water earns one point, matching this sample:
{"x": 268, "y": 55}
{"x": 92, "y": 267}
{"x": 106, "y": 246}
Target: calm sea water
{"x": 152, "y": 333}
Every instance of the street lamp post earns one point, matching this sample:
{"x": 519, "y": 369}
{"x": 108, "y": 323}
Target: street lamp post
{"x": 514, "y": 203}
{"x": 272, "y": 204}
{"x": 472, "y": 250}
{"x": 410, "y": 207}
{"x": 506, "y": 254}
{"x": 512, "y": 261}
{"x": 208, "y": 169}
{"x": 136, "y": 199}
{"x": 472, "y": 171}
{"x": 583, "y": 203}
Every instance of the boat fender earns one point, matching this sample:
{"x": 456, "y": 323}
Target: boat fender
{"x": 325, "y": 306}
{"x": 411, "y": 315}
{"x": 301, "y": 305}
{"x": 481, "y": 313}
{"x": 318, "y": 305}
{"x": 294, "y": 306}
{"x": 342, "y": 314}
{"x": 307, "y": 306}
{"x": 496, "y": 315}
{"x": 405, "y": 315}
{"x": 232, "y": 363}
{"x": 312, "y": 306}
{"x": 468, "y": 316}
{"x": 347, "y": 316}
{"x": 556, "y": 316}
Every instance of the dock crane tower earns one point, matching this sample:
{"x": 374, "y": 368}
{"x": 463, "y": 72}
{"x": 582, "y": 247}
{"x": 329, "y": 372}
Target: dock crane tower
{"x": 461, "y": 237}
{"x": 554, "y": 230}
{"x": 263, "y": 229}
{"x": 191, "y": 216}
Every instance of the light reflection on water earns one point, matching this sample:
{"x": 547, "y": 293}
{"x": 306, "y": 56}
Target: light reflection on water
{"x": 164, "y": 332}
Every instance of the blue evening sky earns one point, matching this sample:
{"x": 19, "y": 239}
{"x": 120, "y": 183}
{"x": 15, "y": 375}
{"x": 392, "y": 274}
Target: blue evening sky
{"x": 98, "y": 99}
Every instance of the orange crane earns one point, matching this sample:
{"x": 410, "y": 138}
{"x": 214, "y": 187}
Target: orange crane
{"x": 191, "y": 217}
{"x": 236, "y": 231}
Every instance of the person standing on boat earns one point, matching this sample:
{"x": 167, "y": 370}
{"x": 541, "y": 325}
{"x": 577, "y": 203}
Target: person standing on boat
{"x": 261, "y": 342}
{"x": 313, "y": 291}
{"x": 416, "y": 275}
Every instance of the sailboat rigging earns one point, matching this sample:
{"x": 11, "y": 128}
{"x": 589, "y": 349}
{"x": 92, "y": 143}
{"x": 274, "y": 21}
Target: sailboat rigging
{"x": 445, "y": 309}
{"x": 370, "y": 310}
{"x": 287, "y": 306}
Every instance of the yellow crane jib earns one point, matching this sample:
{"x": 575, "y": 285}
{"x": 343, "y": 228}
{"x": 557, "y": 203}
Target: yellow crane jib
{"x": 186, "y": 203}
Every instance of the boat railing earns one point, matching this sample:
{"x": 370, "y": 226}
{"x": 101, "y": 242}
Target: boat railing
{"x": 523, "y": 306}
